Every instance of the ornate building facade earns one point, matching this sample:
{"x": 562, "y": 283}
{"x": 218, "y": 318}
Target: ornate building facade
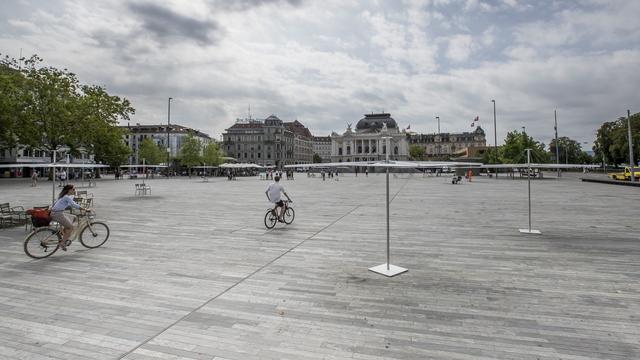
{"x": 322, "y": 147}
{"x": 367, "y": 142}
{"x": 446, "y": 145}
{"x": 269, "y": 142}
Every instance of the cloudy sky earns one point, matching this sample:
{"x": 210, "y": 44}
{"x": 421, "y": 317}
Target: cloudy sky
{"x": 327, "y": 62}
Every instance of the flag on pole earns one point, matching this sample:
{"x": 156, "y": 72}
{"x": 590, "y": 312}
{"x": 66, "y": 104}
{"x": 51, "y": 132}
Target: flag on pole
{"x": 473, "y": 124}
{"x": 477, "y": 118}
{"x": 408, "y": 126}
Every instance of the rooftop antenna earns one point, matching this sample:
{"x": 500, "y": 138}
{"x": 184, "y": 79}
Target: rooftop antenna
{"x": 249, "y": 111}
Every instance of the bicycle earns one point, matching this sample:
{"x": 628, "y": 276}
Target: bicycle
{"x": 270, "y": 218}
{"x": 42, "y": 242}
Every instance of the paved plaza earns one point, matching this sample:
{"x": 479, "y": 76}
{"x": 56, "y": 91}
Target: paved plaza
{"x": 191, "y": 272}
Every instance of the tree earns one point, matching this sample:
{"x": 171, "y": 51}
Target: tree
{"x": 111, "y": 149}
{"x": 54, "y": 110}
{"x": 12, "y": 102}
{"x": 612, "y": 141}
{"x": 569, "y": 150}
{"x": 98, "y": 116}
{"x": 492, "y": 156}
{"x": 190, "y": 152}
{"x": 317, "y": 159}
{"x": 417, "y": 152}
{"x": 151, "y": 152}
{"x": 212, "y": 155}
{"x": 513, "y": 150}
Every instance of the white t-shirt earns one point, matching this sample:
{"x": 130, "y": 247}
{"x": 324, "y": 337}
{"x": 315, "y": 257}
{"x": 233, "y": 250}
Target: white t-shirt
{"x": 274, "y": 190}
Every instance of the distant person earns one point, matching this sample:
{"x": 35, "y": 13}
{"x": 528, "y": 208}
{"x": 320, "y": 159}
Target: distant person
{"x": 34, "y": 178}
{"x": 65, "y": 200}
{"x": 63, "y": 177}
{"x": 274, "y": 191}
{"x": 323, "y": 174}
{"x": 366, "y": 172}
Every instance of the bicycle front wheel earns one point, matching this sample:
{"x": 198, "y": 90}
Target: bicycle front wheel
{"x": 42, "y": 243}
{"x": 94, "y": 235}
{"x": 270, "y": 219}
{"x": 289, "y": 215}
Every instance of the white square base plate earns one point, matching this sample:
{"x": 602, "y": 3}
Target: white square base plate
{"x": 527, "y": 231}
{"x": 391, "y": 271}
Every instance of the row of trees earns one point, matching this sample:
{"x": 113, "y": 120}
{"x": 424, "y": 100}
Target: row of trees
{"x": 192, "y": 153}
{"x": 46, "y": 108}
{"x": 612, "y": 140}
{"x": 611, "y": 146}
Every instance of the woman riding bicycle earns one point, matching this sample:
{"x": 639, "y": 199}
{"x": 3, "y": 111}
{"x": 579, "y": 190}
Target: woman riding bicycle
{"x": 65, "y": 200}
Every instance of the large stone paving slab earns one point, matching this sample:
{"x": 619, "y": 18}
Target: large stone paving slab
{"x": 190, "y": 272}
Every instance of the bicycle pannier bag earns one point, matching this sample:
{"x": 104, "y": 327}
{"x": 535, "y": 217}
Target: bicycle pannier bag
{"x": 39, "y": 217}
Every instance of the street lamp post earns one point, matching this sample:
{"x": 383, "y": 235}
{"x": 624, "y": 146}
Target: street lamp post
{"x": 438, "y": 118}
{"x": 495, "y": 136}
{"x": 168, "y": 134}
{"x": 631, "y": 162}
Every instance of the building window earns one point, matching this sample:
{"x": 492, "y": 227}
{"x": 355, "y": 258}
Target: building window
{"x": 339, "y": 151}
{"x": 395, "y": 150}
{"x": 348, "y": 150}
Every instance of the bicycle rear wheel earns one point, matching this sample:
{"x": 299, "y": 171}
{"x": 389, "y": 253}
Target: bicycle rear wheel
{"x": 289, "y": 215}
{"x": 94, "y": 235}
{"x": 270, "y": 219}
{"x": 42, "y": 243}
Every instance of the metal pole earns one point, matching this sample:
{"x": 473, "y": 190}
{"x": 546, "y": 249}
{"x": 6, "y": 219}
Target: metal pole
{"x": 631, "y": 161}
{"x": 495, "y": 135}
{"x": 529, "y": 184}
{"x": 557, "y": 150}
{"x": 168, "y": 133}
{"x": 53, "y": 178}
{"x": 388, "y": 243}
{"x": 438, "y": 118}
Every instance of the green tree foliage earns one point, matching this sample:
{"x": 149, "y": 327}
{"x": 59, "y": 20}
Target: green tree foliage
{"x": 417, "y": 152}
{"x": 98, "y": 117}
{"x": 110, "y": 149}
{"x": 612, "y": 140}
{"x": 212, "y": 155}
{"x": 513, "y": 150}
{"x": 569, "y": 150}
{"x": 492, "y": 156}
{"x": 54, "y": 110}
{"x": 317, "y": 159}
{"x": 190, "y": 152}
{"x": 12, "y": 102}
{"x": 151, "y": 152}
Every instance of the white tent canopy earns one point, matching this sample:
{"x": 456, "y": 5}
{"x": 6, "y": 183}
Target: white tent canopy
{"x": 241, "y": 166}
{"x": 390, "y": 164}
{"x": 58, "y": 165}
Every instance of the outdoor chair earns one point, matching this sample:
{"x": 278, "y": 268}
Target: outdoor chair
{"x": 142, "y": 189}
{"x": 12, "y": 215}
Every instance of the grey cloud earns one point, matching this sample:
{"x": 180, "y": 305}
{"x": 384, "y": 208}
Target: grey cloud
{"x": 164, "y": 24}
{"x": 241, "y": 5}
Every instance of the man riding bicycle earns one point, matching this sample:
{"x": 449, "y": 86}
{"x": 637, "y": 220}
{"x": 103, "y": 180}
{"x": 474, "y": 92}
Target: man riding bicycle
{"x": 273, "y": 194}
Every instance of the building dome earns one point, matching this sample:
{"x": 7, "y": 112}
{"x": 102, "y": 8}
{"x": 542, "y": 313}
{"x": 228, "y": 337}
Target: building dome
{"x": 374, "y": 122}
{"x": 272, "y": 121}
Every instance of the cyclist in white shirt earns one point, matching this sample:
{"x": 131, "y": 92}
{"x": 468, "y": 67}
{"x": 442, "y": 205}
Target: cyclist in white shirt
{"x": 273, "y": 194}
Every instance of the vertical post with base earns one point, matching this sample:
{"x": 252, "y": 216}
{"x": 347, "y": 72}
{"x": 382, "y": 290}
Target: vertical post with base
{"x": 529, "y": 230}
{"x": 387, "y": 269}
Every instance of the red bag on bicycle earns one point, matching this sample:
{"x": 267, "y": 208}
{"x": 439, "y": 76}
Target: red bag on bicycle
{"x": 40, "y": 217}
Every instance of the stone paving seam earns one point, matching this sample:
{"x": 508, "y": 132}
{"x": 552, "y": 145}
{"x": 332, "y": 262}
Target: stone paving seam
{"x": 238, "y": 282}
